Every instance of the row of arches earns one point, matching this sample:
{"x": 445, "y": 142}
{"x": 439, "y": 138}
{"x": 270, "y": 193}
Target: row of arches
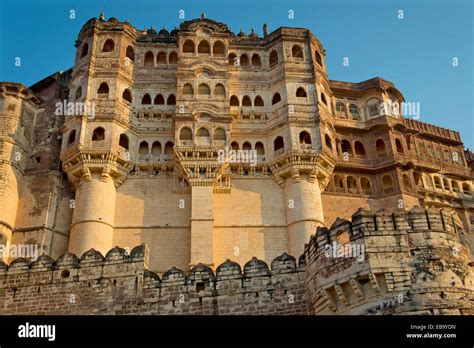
{"x": 204, "y": 89}
{"x": 218, "y": 48}
{"x": 186, "y": 133}
{"x": 255, "y": 60}
{"x": 161, "y": 58}
{"x": 156, "y": 149}
{"x": 363, "y": 185}
{"x": 103, "y": 93}
{"x": 159, "y": 99}
{"x": 246, "y": 101}
{"x": 357, "y": 148}
{"x": 451, "y": 185}
{"x": 246, "y": 145}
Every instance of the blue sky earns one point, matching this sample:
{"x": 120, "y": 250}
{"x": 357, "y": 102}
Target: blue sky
{"x": 416, "y": 52}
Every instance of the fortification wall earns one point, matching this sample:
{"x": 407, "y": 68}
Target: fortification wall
{"x": 392, "y": 263}
{"x": 121, "y": 284}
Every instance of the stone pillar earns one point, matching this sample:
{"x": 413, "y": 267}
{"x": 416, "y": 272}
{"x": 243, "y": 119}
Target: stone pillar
{"x": 202, "y": 221}
{"x": 94, "y": 213}
{"x": 304, "y": 212}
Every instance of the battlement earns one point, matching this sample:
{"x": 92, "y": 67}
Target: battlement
{"x": 120, "y": 283}
{"x": 390, "y": 262}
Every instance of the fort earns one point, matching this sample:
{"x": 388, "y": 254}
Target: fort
{"x": 143, "y": 173}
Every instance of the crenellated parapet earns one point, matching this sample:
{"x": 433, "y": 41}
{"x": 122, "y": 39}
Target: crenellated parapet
{"x": 120, "y": 283}
{"x": 402, "y": 262}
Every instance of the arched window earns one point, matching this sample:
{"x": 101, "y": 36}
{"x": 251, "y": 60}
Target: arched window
{"x": 323, "y": 99}
{"x": 273, "y": 58}
{"x": 260, "y": 148}
{"x": 387, "y": 184}
{"x": 276, "y": 98}
{"x": 373, "y": 110}
{"x": 218, "y": 48}
{"x": 338, "y": 183}
{"x": 171, "y": 100}
{"x": 340, "y": 107}
{"x": 234, "y": 145}
{"x": 143, "y": 150}
{"x": 232, "y": 59}
{"x": 346, "y": 147}
{"x": 204, "y": 47}
{"x": 98, "y": 134}
{"x": 365, "y": 186}
{"x": 169, "y": 148}
{"x": 148, "y": 59}
{"x": 244, "y": 60}
{"x": 359, "y": 148}
{"x": 161, "y": 58}
{"x": 380, "y": 147}
{"x": 234, "y": 101}
{"x": 127, "y": 95}
{"x": 130, "y": 53}
{"x": 185, "y": 134}
{"x": 159, "y": 100}
{"x": 203, "y": 132}
{"x": 85, "y": 50}
{"x": 219, "y": 90}
{"x": 204, "y": 89}
{"x": 305, "y": 138}
{"x": 297, "y": 52}
{"x": 246, "y": 146}
{"x": 354, "y": 111}
{"x": 246, "y": 101}
{"x": 219, "y": 134}
{"x": 173, "y": 58}
{"x": 455, "y": 186}
{"x": 123, "y": 141}
{"x": 301, "y": 93}
{"x": 446, "y": 184}
{"x": 188, "y": 89}
{"x": 108, "y": 45}
{"x": 327, "y": 140}
{"x": 156, "y": 149}
{"x": 352, "y": 184}
{"x": 72, "y": 138}
{"x": 258, "y": 101}
{"x": 78, "y": 94}
{"x": 398, "y": 145}
{"x": 278, "y": 145}
{"x": 146, "y": 100}
{"x": 466, "y": 189}
{"x": 437, "y": 183}
{"x": 188, "y": 46}
{"x": 318, "y": 58}
{"x": 256, "y": 60}
{"x": 103, "y": 91}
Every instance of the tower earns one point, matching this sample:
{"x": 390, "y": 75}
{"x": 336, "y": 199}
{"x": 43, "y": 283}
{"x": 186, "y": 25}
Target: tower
{"x": 17, "y": 111}
{"x": 96, "y": 139}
